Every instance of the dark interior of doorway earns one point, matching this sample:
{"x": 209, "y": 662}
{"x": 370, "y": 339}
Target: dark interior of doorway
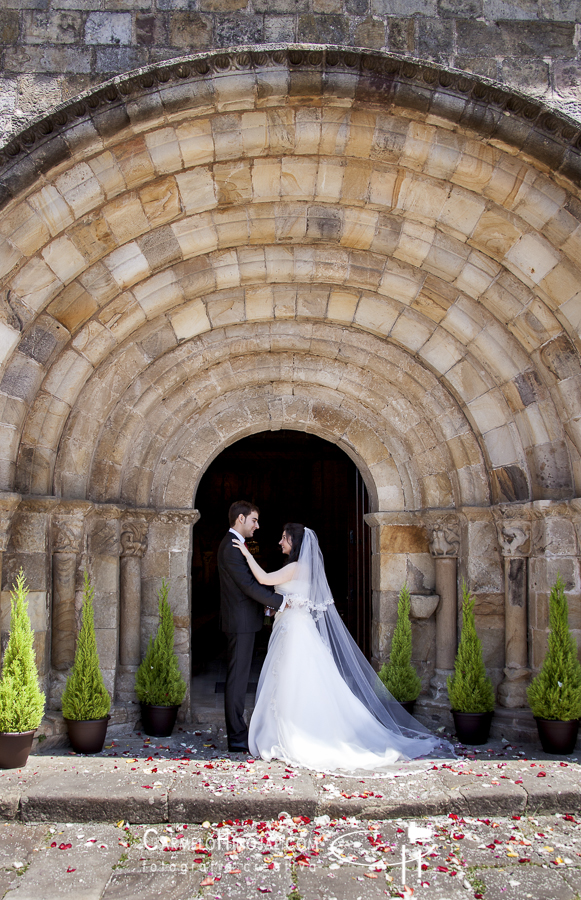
{"x": 293, "y": 477}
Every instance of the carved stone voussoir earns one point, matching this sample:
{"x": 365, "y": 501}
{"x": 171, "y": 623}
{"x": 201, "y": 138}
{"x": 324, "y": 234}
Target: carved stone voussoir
{"x": 133, "y": 538}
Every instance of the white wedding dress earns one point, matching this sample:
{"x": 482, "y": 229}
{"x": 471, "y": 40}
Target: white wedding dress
{"x": 307, "y": 712}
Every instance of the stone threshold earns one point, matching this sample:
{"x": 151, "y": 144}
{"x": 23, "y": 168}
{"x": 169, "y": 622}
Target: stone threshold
{"x": 197, "y": 782}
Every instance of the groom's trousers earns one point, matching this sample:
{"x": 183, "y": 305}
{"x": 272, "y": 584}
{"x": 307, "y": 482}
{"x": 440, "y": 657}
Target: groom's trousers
{"x": 239, "y": 654}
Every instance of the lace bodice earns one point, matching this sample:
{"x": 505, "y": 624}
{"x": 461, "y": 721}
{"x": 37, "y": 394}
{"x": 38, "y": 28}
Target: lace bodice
{"x": 296, "y": 592}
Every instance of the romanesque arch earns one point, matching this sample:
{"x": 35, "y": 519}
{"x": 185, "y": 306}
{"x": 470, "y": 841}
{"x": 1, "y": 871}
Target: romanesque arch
{"x": 381, "y": 252}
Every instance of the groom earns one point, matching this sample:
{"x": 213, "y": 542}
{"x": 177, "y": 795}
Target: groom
{"x": 242, "y": 602}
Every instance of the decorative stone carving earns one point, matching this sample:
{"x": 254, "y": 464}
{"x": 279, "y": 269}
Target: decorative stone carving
{"x": 514, "y": 539}
{"x": 133, "y": 539}
{"x": 67, "y": 537}
{"x": 445, "y": 538}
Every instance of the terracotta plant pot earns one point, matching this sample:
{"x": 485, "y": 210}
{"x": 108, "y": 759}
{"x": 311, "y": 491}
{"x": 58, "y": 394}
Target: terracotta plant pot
{"x": 15, "y": 748}
{"x": 87, "y": 735}
{"x": 557, "y": 736}
{"x": 472, "y": 728}
{"x": 158, "y": 721}
{"x": 408, "y": 705}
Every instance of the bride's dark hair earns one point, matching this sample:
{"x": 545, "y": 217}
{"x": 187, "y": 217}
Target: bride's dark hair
{"x": 295, "y": 532}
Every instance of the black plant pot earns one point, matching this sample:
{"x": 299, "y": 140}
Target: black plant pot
{"x": 557, "y": 736}
{"x": 158, "y": 721}
{"x": 87, "y": 735}
{"x": 15, "y": 747}
{"x": 408, "y": 705}
{"x": 472, "y": 728}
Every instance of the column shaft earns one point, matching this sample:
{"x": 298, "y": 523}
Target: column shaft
{"x": 446, "y": 615}
{"x": 130, "y": 619}
{"x": 63, "y": 610}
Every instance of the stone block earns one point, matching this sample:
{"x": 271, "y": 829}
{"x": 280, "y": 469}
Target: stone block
{"x": 371, "y": 33}
{"x": 70, "y": 59}
{"x": 322, "y": 29}
{"x": 9, "y": 26}
{"x": 108, "y": 28}
{"x": 127, "y": 265}
{"x": 435, "y": 39}
{"x": 150, "y": 30}
{"x": 191, "y": 30}
{"x": 402, "y": 35}
{"x": 529, "y": 75}
{"x": 516, "y": 39}
{"x": 56, "y": 28}
{"x": 160, "y": 201}
{"x": 21, "y": 378}
{"x": 279, "y": 29}
{"x": 230, "y": 30}
{"x": 550, "y": 471}
{"x": 37, "y": 610}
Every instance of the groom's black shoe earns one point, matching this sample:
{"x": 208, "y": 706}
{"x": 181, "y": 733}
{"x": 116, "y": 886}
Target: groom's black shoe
{"x": 238, "y": 748}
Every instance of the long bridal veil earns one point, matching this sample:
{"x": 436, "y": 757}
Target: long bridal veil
{"x": 407, "y": 735}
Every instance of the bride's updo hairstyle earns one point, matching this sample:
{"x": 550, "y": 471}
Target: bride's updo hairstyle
{"x": 295, "y": 532}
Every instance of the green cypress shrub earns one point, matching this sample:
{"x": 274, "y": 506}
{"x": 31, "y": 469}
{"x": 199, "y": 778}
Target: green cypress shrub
{"x": 469, "y": 688}
{"x": 159, "y": 681}
{"x": 398, "y": 675}
{"x": 555, "y": 693}
{"x": 21, "y": 700}
{"x": 85, "y": 696}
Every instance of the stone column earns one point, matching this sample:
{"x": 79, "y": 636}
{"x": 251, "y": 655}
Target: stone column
{"x": 67, "y": 537}
{"x": 8, "y": 505}
{"x": 170, "y": 556}
{"x": 445, "y": 548}
{"x": 514, "y": 538}
{"x": 133, "y": 546}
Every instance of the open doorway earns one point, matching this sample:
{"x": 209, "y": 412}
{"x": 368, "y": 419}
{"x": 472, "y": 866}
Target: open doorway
{"x": 292, "y": 477}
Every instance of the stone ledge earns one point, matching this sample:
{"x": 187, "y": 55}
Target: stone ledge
{"x": 103, "y": 789}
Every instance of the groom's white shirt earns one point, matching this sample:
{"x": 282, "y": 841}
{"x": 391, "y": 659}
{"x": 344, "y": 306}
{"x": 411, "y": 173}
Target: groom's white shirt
{"x": 269, "y": 610}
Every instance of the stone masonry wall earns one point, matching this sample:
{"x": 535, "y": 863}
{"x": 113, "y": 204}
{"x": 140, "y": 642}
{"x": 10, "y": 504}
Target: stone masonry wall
{"x": 50, "y": 50}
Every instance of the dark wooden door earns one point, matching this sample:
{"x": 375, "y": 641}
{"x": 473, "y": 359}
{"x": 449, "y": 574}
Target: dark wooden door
{"x": 292, "y": 477}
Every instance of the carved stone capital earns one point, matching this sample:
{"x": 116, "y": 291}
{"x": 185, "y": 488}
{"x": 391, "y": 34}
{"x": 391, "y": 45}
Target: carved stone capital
{"x": 133, "y": 538}
{"x": 444, "y": 535}
{"x": 177, "y": 516}
{"x": 514, "y": 538}
{"x": 68, "y": 525}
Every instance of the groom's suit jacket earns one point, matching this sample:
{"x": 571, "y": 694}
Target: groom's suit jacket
{"x": 242, "y": 598}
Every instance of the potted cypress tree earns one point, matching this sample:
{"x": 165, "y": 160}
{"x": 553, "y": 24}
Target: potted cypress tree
{"x": 555, "y": 694}
{"x": 21, "y": 700}
{"x": 86, "y": 701}
{"x": 159, "y": 684}
{"x": 469, "y": 688}
{"x": 398, "y": 675}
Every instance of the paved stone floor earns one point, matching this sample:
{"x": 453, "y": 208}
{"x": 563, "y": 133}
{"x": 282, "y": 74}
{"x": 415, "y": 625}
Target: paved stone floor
{"x": 446, "y": 858}
{"x": 509, "y": 828}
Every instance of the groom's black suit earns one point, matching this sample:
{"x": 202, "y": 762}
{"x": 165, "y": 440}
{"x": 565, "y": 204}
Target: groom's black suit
{"x": 242, "y": 602}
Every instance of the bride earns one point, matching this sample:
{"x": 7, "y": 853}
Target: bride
{"x": 319, "y": 703}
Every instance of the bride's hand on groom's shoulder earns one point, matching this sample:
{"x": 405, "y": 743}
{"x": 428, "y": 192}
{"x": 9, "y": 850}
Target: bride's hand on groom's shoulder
{"x": 241, "y": 546}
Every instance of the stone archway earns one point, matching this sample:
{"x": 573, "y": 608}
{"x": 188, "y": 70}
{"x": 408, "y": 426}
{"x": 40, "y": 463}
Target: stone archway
{"x": 382, "y": 253}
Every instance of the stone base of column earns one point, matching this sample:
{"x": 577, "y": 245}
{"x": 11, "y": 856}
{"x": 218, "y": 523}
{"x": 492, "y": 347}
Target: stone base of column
{"x": 517, "y": 726}
{"x": 512, "y": 691}
{"x": 58, "y": 682}
{"x": 439, "y": 685}
{"x": 434, "y": 714}
{"x": 125, "y": 685}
